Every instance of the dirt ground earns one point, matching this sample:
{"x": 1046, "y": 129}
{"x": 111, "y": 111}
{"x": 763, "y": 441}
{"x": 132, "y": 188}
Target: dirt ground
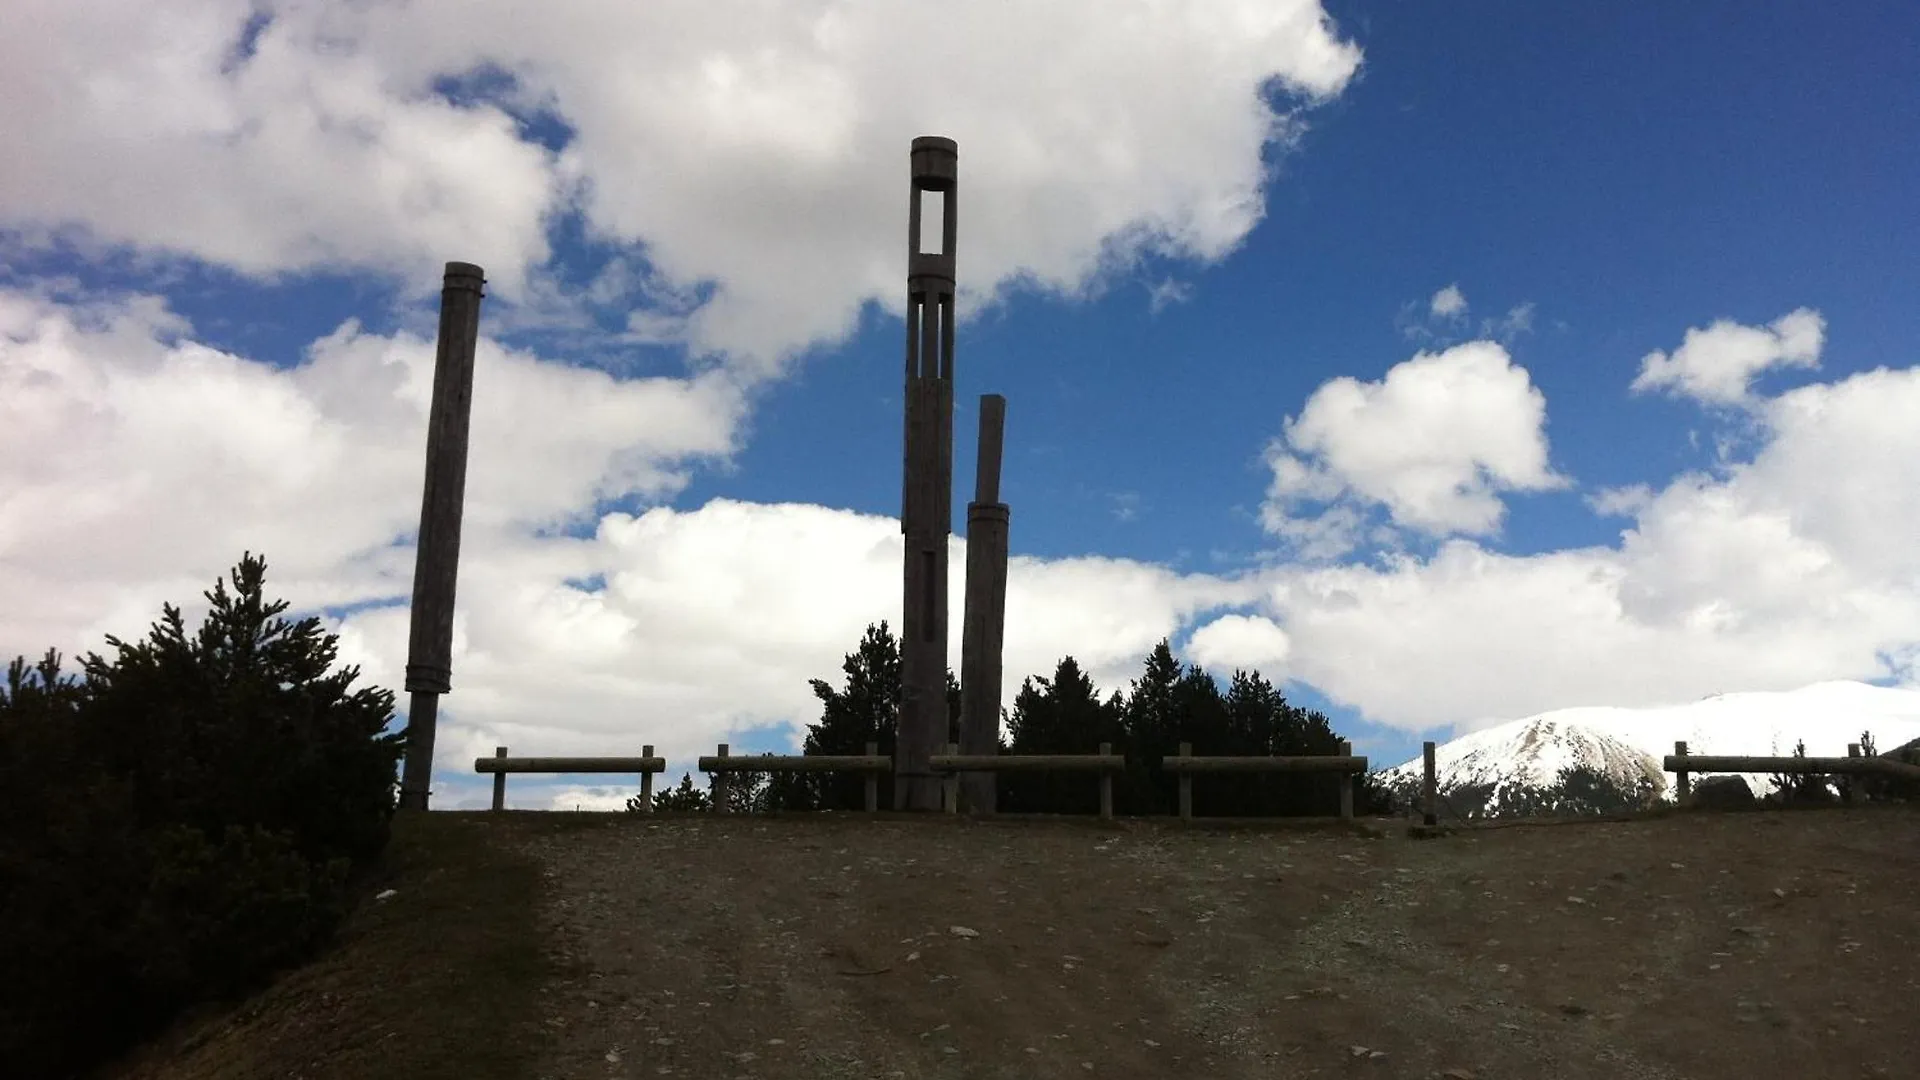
{"x": 1700, "y": 946}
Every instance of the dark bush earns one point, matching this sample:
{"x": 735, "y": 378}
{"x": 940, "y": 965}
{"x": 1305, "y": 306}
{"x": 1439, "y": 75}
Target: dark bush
{"x": 179, "y": 823}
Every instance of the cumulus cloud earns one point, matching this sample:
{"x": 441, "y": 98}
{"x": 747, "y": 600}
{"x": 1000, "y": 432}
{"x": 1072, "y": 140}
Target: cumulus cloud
{"x": 1793, "y": 566}
{"x": 1448, "y": 303}
{"x": 138, "y": 463}
{"x": 1246, "y": 642}
{"x": 1434, "y": 443}
{"x": 1715, "y": 365}
{"x": 756, "y": 152}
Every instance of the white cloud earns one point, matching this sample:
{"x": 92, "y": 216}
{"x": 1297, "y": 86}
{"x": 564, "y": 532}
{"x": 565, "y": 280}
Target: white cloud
{"x": 138, "y": 464}
{"x": 1715, "y": 365}
{"x": 1249, "y": 642}
{"x": 1434, "y": 442}
{"x": 1794, "y": 566}
{"x": 1448, "y": 303}
{"x": 1166, "y": 293}
{"x": 1518, "y": 320}
{"x": 760, "y": 150}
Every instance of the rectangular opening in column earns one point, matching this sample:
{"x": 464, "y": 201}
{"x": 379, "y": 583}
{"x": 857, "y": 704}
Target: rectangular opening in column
{"x": 933, "y": 223}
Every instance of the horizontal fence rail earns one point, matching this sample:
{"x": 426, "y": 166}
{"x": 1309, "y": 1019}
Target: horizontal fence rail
{"x": 953, "y": 763}
{"x": 1682, "y": 764}
{"x": 503, "y": 764}
{"x": 500, "y": 765}
{"x": 1186, "y": 765}
{"x": 724, "y": 764}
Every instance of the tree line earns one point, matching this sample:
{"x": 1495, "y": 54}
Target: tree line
{"x": 1165, "y": 706}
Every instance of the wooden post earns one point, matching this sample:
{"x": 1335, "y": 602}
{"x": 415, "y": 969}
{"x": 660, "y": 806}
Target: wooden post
{"x": 1429, "y": 788}
{"x": 1106, "y": 786}
{"x": 646, "y": 782}
{"x": 429, "y": 671}
{"x": 499, "y": 782}
{"x": 984, "y": 618}
{"x": 873, "y": 780}
{"x": 950, "y": 789}
{"x": 1682, "y": 783}
{"x": 926, "y": 498}
{"x": 1846, "y": 779}
{"x": 720, "y": 785}
{"x": 1186, "y": 786}
{"x": 1346, "y": 783}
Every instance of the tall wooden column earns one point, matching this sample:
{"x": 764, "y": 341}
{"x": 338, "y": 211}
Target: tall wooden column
{"x": 437, "y": 555}
{"x": 926, "y": 514}
{"x": 983, "y": 630}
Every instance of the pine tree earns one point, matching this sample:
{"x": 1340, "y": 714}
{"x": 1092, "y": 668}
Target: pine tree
{"x": 1061, "y": 715}
{"x": 866, "y": 709}
{"x": 684, "y": 797}
{"x": 1151, "y": 715}
{"x": 179, "y": 823}
{"x": 1201, "y": 718}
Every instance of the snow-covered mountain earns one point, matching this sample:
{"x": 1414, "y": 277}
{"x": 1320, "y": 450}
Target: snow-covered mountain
{"x": 1628, "y": 742}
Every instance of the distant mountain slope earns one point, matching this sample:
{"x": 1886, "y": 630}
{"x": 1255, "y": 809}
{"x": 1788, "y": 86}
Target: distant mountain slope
{"x": 1624, "y": 742}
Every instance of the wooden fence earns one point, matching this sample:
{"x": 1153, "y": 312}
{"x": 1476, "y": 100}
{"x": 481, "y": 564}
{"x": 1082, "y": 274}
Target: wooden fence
{"x": 500, "y": 765}
{"x": 1186, "y": 764}
{"x": 1682, "y": 765}
{"x": 723, "y": 765}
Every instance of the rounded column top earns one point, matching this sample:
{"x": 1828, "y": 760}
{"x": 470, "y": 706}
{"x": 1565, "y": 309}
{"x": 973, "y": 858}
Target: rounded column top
{"x": 464, "y": 275}
{"x": 936, "y": 163}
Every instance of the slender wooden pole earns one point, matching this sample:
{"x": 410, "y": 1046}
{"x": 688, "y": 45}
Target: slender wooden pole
{"x": 984, "y": 620}
{"x": 499, "y": 782}
{"x": 720, "y": 785}
{"x": 1682, "y": 782}
{"x": 429, "y": 671}
{"x": 1186, "y": 786}
{"x": 1846, "y": 779}
{"x": 646, "y": 782}
{"x": 1429, "y": 788}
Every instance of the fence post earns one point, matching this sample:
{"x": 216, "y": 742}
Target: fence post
{"x": 950, "y": 790}
{"x": 1681, "y": 781}
{"x": 1106, "y": 785}
{"x": 1846, "y": 779}
{"x": 873, "y": 780}
{"x": 1186, "y": 785}
{"x": 720, "y": 785}
{"x": 1429, "y": 788}
{"x": 646, "y": 782}
{"x": 1346, "y": 783}
{"x": 499, "y": 782}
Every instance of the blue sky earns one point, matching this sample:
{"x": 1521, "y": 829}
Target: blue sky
{"x": 1580, "y": 188}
